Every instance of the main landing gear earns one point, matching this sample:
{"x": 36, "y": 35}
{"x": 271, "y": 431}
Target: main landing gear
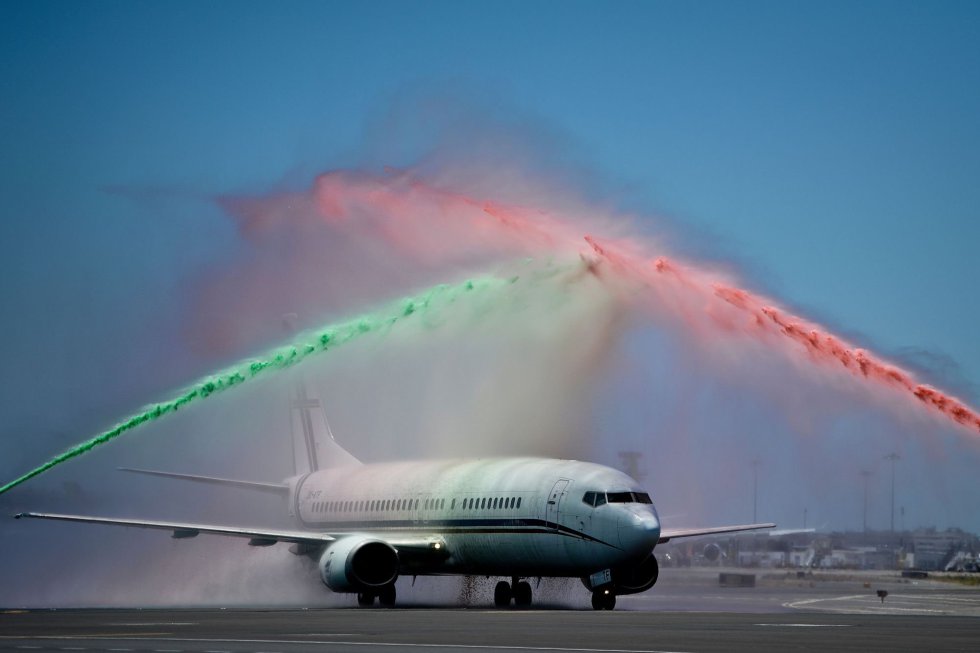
{"x": 519, "y": 591}
{"x": 385, "y": 595}
{"x": 603, "y": 599}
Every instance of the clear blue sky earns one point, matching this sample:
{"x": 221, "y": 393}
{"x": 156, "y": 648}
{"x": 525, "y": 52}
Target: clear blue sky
{"x": 832, "y": 147}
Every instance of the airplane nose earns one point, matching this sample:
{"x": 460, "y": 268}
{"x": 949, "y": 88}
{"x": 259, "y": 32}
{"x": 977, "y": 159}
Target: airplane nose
{"x": 639, "y": 531}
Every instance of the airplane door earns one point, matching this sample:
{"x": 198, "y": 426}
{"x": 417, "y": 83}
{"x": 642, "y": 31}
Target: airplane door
{"x": 553, "y": 507}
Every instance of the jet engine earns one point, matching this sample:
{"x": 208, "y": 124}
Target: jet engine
{"x": 634, "y": 578}
{"x": 711, "y": 552}
{"x": 358, "y": 563}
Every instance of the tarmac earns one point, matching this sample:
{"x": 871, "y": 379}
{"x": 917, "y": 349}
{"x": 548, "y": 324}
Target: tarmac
{"x": 687, "y": 612}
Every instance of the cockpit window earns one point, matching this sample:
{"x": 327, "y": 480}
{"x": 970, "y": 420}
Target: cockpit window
{"x": 589, "y": 499}
{"x": 620, "y": 497}
{"x": 628, "y": 497}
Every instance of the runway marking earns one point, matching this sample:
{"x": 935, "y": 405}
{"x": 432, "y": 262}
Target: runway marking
{"x": 807, "y": 625}
{"x": 866, "y": 604}
{"x": 127, "y": 649}
{"x": 476, "y": 647}
{"x": 152, "y": 623}
{"x": 323, "y": 634}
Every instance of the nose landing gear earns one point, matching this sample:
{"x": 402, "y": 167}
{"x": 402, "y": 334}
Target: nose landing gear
{"x": 519, "y": 591}
{"x": 603, "y": 600}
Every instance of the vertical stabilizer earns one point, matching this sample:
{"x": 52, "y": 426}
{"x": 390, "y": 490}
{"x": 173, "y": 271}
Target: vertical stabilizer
{"x": 314, "y": 446}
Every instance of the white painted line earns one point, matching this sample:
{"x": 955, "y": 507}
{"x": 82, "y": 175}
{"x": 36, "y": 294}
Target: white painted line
{"x": 28, "y": 647}
{"x": 151, "y": 623}
{"x": 475, "y": 647}
{"x": 807, "y": 625}
{"x": 120, "y": 649}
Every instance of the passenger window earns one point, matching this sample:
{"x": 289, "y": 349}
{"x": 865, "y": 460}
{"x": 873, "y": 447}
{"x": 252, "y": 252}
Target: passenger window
{"x": 483, "y": 503}
{"x": 518, "y": 502}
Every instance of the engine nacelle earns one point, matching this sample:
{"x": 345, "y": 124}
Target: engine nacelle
{"x": 711, "y": 552}
{"x": 357, "y": 563}
{"x": 632, "y": 579}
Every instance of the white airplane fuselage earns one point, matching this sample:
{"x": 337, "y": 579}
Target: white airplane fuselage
{"x": 509, "y": 517}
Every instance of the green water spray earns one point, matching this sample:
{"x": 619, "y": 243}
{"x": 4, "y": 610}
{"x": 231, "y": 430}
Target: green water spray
{"x": 309, "y": 343}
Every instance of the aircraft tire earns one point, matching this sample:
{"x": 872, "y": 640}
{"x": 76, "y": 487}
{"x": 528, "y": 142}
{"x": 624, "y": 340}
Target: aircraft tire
{"x": 522, "y": 594}
{"x": 603, "y": 601}
{"x": 386, "y": 596}
{"x": 502, "y": 594}
{"x": 365, "y": 599}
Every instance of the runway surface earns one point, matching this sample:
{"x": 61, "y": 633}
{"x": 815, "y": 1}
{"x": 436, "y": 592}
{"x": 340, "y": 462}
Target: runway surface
{"x": 692, "y": 613}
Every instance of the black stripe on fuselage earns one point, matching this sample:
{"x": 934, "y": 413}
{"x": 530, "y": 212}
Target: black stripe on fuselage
{"x": 482, "y": 526}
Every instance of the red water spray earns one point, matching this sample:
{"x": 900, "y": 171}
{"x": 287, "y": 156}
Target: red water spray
{"x": 433, "y": 224}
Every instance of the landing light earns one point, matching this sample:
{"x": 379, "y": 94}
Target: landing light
{"x": 436, "y": 546}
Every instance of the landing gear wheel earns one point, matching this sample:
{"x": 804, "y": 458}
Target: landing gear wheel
{"x": 603, "y": 600}
{"x": 502, "y": 594}
{"x": 386, "y": 596}
{"x": 365, "y": 599}
{"x": 522, "y": 594}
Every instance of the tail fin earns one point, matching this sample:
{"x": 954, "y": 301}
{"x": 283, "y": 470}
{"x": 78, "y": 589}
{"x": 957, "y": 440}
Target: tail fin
{"x": 314, "y": 446}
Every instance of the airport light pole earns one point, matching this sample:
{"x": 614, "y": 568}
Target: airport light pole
{"x": 892, "y": 457}
{"x": 865, "y": 474}
{"x": 755, "y": 490}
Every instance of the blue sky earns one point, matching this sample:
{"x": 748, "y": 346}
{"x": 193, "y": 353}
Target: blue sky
{"x": 830, "y": 149}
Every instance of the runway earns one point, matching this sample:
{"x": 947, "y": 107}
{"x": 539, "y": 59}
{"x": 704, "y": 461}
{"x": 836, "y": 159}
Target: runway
{"x": 474, "y": 631}
{"x": 685, "y": 617}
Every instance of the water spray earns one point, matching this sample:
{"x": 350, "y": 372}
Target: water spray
{"x": 307, "y": 344}
{"x": 408, "y": 211}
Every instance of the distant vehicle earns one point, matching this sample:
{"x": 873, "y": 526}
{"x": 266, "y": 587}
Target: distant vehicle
{"x": 519, "y": 518}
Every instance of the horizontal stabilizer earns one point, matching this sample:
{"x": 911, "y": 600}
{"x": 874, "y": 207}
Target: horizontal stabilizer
{"x": 274, "y": 488}
{"x": 668, "y": 534}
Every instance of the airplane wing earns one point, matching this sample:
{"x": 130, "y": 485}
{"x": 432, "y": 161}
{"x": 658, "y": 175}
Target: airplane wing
{"x": 414, "y": 547}
{"x": 668, "y": 534}
{"x": 257, "y": 537}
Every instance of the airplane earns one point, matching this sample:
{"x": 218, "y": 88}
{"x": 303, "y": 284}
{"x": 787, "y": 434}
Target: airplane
{"x": 518, "y": 518}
